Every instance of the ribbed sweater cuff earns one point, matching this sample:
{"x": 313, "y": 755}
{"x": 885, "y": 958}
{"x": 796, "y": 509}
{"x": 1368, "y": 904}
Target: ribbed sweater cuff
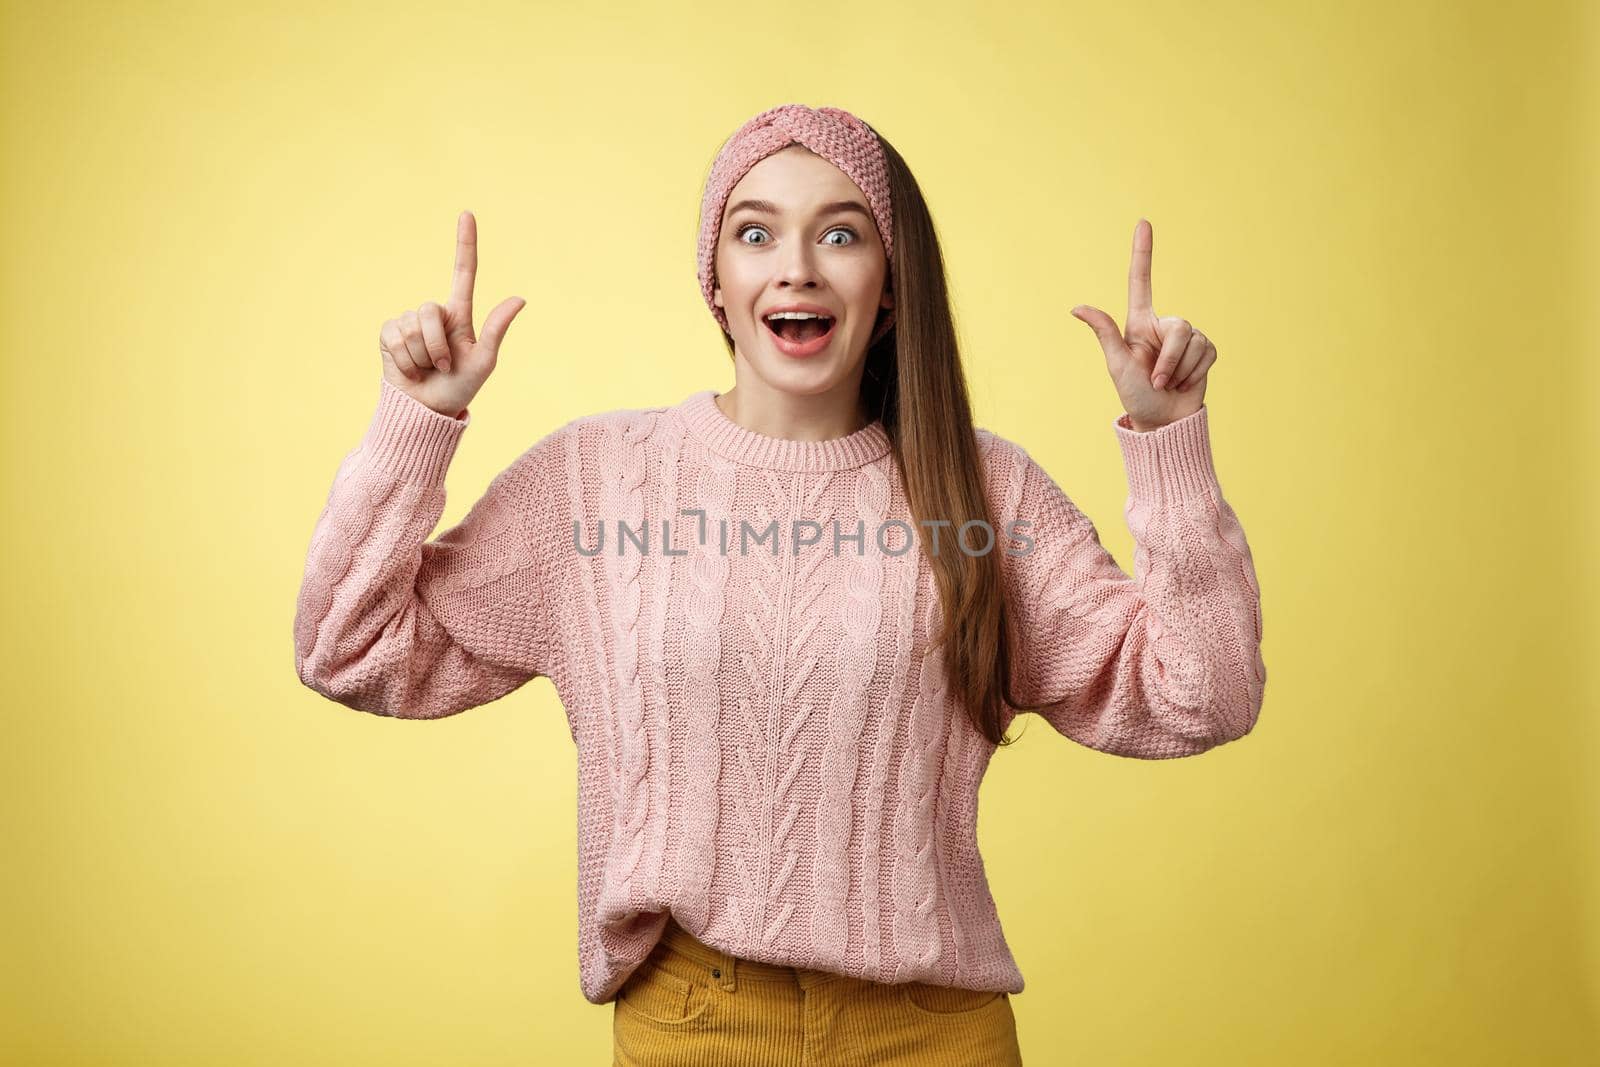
{"x": 1169, "y": 463}
{"x": 409, "y": 439}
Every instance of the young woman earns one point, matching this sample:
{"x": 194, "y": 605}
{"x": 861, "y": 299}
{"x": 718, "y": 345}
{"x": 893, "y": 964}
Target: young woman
{"x": 791, "y": 622}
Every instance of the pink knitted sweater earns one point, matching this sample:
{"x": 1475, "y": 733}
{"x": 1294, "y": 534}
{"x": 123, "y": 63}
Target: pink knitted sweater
{"x": 766, "y": 743}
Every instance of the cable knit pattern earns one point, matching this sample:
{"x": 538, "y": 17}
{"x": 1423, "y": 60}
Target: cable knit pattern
{"x": 671, "y": 444}
{"x": 915, "y": 579}
{"x": 1189, "y": 674}
{"x": 622, "y": 477}
{"x": 916, "y": 927}
{"x": 768, "y": 746}
{"x": 861, "y": 612}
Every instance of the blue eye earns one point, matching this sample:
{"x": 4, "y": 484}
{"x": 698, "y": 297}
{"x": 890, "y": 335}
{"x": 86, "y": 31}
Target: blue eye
{"x": 747, "y": 227}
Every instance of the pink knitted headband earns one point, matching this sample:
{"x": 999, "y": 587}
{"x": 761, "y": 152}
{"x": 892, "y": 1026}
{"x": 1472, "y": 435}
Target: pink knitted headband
{"x": 830, "y": 132}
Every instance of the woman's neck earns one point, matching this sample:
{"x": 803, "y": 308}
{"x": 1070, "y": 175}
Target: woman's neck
{"x": 774, "y": 413}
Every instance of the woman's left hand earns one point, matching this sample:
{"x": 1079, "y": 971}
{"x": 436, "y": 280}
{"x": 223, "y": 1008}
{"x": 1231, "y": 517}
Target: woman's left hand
{"x": 1159, "y": 365}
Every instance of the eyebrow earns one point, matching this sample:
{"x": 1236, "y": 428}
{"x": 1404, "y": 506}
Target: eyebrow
{"x": 769, "y": 208}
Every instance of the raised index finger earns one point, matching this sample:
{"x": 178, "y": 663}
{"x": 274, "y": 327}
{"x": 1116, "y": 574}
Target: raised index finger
{"x": 466, "y": 259}
{"x": 1139, "y": 269}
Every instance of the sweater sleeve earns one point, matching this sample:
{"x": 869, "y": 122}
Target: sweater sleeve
{"x": 1163, "y": 664}
{"x": 390, "y": 623}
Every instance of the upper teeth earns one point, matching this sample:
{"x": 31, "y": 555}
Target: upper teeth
{"x": 793, "y": 315}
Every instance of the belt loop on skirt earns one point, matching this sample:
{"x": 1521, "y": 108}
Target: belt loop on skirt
{"x": 720, "y": 966}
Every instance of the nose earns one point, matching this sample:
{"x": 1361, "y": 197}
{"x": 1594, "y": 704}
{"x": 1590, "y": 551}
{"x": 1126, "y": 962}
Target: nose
{"x": 798, "y": 268}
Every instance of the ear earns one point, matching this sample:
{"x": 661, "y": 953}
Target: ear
{"x": 716, "y": 296}
{"x": 887, "y": 300}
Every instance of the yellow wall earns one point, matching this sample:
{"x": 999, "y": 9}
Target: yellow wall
{"x": 1377, "y": 212}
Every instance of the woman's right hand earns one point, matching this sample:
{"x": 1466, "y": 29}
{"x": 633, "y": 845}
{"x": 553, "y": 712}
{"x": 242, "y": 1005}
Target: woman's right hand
{"x": 431, "y": 353}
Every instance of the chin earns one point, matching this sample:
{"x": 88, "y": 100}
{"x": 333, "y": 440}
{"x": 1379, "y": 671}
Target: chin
{"x": 803, "y": 376}
{"x": 807, "y": 377}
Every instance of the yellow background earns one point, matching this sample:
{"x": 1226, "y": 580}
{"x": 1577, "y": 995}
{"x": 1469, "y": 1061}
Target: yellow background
{"x": 1376, "y": 211}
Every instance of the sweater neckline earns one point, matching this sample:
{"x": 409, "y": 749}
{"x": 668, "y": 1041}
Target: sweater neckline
{"x": 727, "y": 438}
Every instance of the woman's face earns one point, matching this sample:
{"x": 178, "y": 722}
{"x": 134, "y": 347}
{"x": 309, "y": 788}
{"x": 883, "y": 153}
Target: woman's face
{"x": 797, "y": 230}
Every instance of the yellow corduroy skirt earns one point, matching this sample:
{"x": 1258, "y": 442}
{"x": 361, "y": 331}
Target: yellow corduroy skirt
{"x": 691, "y": 1005}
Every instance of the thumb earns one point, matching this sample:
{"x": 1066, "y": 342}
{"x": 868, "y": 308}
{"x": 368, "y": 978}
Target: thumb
{"x": 499, "y": 320}
{"x": 1104, "y": 327}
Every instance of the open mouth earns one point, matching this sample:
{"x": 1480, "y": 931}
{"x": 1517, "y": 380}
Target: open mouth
{"x": 798, "y": 327}
{"x": 800, "y": 334}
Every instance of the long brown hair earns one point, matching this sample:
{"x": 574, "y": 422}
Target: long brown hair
{"x": 915, "y": 383}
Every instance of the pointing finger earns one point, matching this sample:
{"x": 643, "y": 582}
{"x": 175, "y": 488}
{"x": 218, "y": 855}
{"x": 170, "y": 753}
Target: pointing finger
{"x": 1139, "y": 270}
{"x": 466, "y": 272}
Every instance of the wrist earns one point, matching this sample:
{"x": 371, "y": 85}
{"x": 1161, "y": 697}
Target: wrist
{"x": 1144, "y": 427}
